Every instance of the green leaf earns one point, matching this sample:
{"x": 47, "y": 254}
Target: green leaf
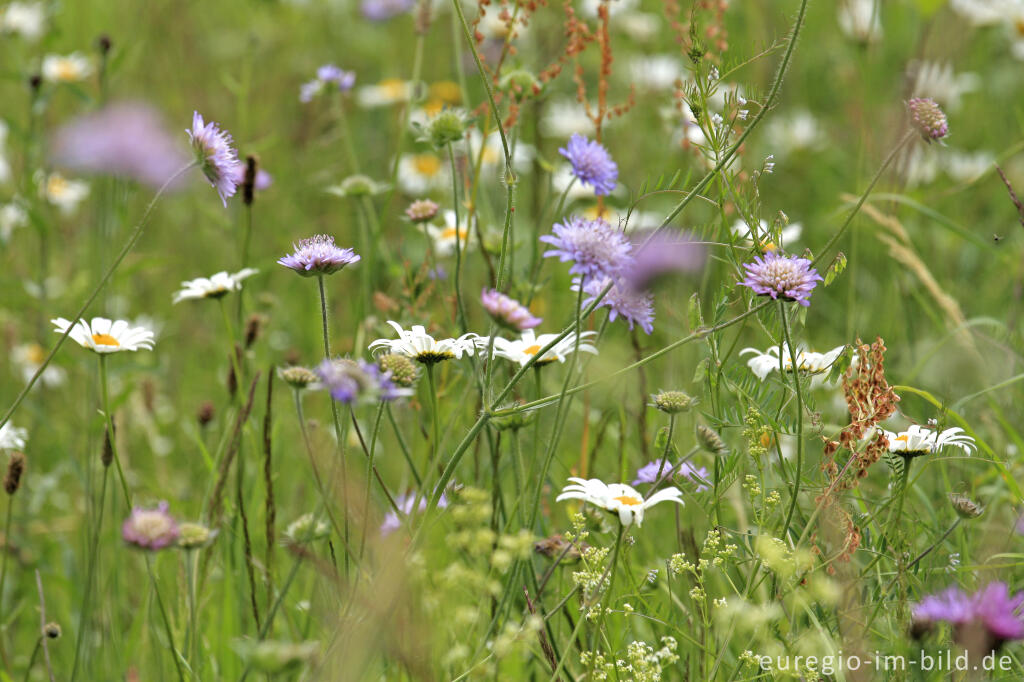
{"x": 694, "y": 315}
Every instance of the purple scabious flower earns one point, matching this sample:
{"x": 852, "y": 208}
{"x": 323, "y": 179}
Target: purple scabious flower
{"x": 928, "y": 118}
{"x": 382, "y": 10}
{"x": 633, "y": 305}
{"x": 591, "y": 164}
{"x": 787, "y": 277}
{"x": 318, "y": 256}
{"x": 1020, "y": 525}
{"x": 405, "y": 503}
{"x": 327, "y": 75}
{"x": 263, "y": 179}
{"x": 358, "y": 381}
{"x": 216, "y": 157}
{"x": 507, "y": 311}
{"x": 151, "y": 529}
{"x": 595, "y": 248}
{"x": 991, "y": 612}
{"x": 128, "y": 139}
{"x": 648, "y": 473}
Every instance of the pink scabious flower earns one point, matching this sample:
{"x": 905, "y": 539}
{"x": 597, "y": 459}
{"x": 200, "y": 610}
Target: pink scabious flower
{"x": 787, "y": 277}
{"x": 326, "y": 76}
{"x": 382, "y": 10}
{"x": 215, "y": 155}
{"x": 151, "y": 529}
{"x": 660, "y": 252}
{"x": 991, "y": 612}
{"x": 405, "y": 504}
{"x": 507, "y": 311}
{"x": 318, "y": 256}
{"x": 128, "y": 139}
{"x": 928, "y": 118}
{"x": 649, "y": 473}
{"x": 595, "y": 248}
{"x": 591, "y": 164}
{"x": 262, "y": 181}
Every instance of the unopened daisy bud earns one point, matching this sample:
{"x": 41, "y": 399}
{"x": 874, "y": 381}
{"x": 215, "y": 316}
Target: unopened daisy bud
{"x": 195, "y": 536}
{"x": 252, "y": 328}
{"x": 205, "y": 413}
{"x": 403, "y": 370}
{"x": 52, "y": 630}
{"x": 928, "y": 118}
{"x": 710, "y": 440}
{"x": 15, "y": 468}
{"x": 421, "y": 211}
{"x": 672, "y": 402}
{"x": 965, "y": 507}
{"x": 107, "y": 456}
{"x": 298, "y": 377}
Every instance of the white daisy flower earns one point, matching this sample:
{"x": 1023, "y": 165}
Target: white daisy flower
{"x": 494, "y": 153}
{"x": 12, "y": 216}
{"x": 523, "y": 349}
{"x": 921, "y": 440}
{"x": 965, "y": 166}
{"x": 808, "y": 362}
{"x": 790, "y": 233}
{"x": 563, "y": 117}
{"x": 70, "y": 68}
{"x": 617, "y": 498}
{"x": 28, "y": 357}
{"x": 27, "y": 19}
{"x": 385, "y": 93}
{"x": 861, "y": 20}
{"x": 795, "y": 131}
{"x": 444, "y": 237}
{"x": 418, "y": 345}
{"x": 63, "y": 193}
{"x": 106, "y": 336}
{"x": 938, "y": 81}
{"x": 423, "y": 173}
{"x": 1015, "y": 25}
{"x": 980, "y": 12}
{"x": 215, "y": 286}
{"x": 12, "y": 438}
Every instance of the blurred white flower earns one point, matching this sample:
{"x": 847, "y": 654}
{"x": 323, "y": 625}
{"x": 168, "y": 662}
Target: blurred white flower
{"x": 494, "y": 153}
{"x": 28, "y": 357}
{"x": 937, "y": 81}
{"x": 861, "y": 20}
{"x": 617, "y": 498}
{"x": 444, "y": 237}
{"x": 214, "y": 286}
{"x": 656, "y": 72}
{"x": 12, "y": 216}
{"x": 523, "y": 349}
{"x": 385, "y": 93}
{"x": 795, "y": 131}
{"x": 921, "y": 440}
{"x": 807, "y": 362}
{"x": 790, "y": 233}
{"x": 423, "y": 173}
{"x": 967, "y": 166}
{"x": 981, "y": 12}
{"x": 11, "y": 437}
{"x": 63, "y": 193}
{"x": 70, "y": 68}
{"x": 563, "y": 117}
{"x": 27, "y": 19}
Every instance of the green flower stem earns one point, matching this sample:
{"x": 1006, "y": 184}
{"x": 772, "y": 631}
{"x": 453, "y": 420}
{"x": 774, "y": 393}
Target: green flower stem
{"x": 799, "y": 419}
{"x": 166, "y": 620}
{"x": 460, "y": 310}
{"x": 133, "y": 238}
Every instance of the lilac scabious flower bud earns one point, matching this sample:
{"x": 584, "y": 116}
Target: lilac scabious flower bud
{"x": 421, "y": 211}
{"x": 151, "y": 529}
{"x": 928, "y": 118}
{"x": 672, "y": 402}
{"x": 318, "y": 256}
{"x": 591, "y": 164}
{"x": 965, "y": 507}
{"x": 507, "y": 311}
{"x": 787, "y": 277}
{"x": 710, "y": 440}
{"x": 299, "y": 377}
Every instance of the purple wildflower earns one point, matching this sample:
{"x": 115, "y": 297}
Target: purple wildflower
{"x": 649, "y": 473}
{"x": 1020, "y": 525}
{"x": 633, "y": 305}
{"x": 991, "y": 612}
{"x": 787, "y": 277}
{"x": 217, "y": 159}
{"x": 355, "y": 381}
{"x": 928, "y": 118}
{"x": 382, "y": 10}
{"x": 595, "y": 247}
{"x": 507, "y": 311}
{"x": 318, "y": 256}
{"x": 591, "y": 164}
{"x": 127, "y": 139}
{"x": 405, "y": 503}
{"x": 663, "y": 251}
{"x": 327, "y": 75}
{"x": 150, "y": 528}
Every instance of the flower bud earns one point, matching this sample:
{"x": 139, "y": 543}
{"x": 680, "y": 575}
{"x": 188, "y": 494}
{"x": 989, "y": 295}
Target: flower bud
{"x": 403, "y": 371}
{"x": 298, "y": 377}
{"x": 710, "y": 440}
{"x": 965, "y": 507}
{"x": 672, "y": 402}
{"x": 421, "y": 211}
{"x": 928, "y": 118}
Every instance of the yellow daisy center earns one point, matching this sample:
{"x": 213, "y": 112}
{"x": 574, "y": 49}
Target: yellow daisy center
{"x": 902, "y": 437}
{"x": 628, "y": 500}
{"x": 446, "y": 91}
{"x": 433, "y": 107}
{"x": 393, "y": 87}
{"x": 531, "y": 350}
{"x": 67, "y": 70}
{"x": 105, "y": 340}
{"x": 427, "y": 164}
{"x": 449, "y": 233}
{"x": 56, "y": 185}
{"x": 1018, "y": 25}
{"x": 35, "y": 354}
